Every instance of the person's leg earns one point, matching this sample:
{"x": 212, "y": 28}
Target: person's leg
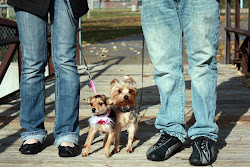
{"x": 32, "y": 35}
{"x": 201, "y": 30}
{"x": 200, "y": 22}
{"x": 66, "y": 75}
{"x": 163, "y": 34}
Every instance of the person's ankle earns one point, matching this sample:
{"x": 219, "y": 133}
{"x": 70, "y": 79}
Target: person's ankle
{"x": 67, "y": 144}
{"x": 30, "y": 141}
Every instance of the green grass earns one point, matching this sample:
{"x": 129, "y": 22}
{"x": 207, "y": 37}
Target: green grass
{"x": 110, "y": 24}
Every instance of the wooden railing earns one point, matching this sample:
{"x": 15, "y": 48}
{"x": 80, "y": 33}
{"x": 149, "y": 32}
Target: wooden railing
{"x": 241, "y": 53}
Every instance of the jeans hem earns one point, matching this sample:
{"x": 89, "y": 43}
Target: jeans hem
{"x": 212, "y": 137}
{"x": 39, "y": 135}
{"x": 174, "y": 134}
{"x": 67, "y": 137}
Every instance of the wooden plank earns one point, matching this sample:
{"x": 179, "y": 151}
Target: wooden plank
{"x": 232, "y": 154}
{"x": 233, "y": 116}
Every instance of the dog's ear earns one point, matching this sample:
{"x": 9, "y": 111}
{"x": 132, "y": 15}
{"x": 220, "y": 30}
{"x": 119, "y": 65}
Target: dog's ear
{"x": 89, "y": 99}
{"x": 103, "y": 97}
{"x": 114, "y": 81}
{"x": 129, "y": 80}
{"x": 109, "y": 101}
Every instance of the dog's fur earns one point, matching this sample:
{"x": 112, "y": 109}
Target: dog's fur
{"x": 123, "y": 95}
{"x": 100, "y": 104}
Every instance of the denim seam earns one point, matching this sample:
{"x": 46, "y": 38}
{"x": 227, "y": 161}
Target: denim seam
{"x": 177, "y": 6}
{"x": 181, "y": 92}
{"x": 55, "y": 71}
{"x": 216, "y": 36}
{"x": 180, "y": 45}
{"x": 45, "y": 61}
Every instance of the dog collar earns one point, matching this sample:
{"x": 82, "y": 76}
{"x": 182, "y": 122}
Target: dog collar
{"x": 130, "y": 110}
{"x": 132, "y": 114}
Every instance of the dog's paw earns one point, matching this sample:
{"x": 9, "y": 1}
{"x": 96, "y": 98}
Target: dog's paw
{"x": 116, "y": 150}
{"x": 129, "y": 149}
{"x": 107, "y": 154}
{"x": 84, "y": 154}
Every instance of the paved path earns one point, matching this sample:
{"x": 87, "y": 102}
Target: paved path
{"x": 126, "y": 50}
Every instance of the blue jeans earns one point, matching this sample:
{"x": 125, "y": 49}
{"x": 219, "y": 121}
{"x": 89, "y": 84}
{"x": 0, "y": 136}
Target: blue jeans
{"x": 164, "y": 22}
{"x": 33, "y": 38}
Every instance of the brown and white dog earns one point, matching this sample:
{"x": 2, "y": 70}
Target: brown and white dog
{"x": 123, "y": 95}
{"x": 103, "y": 121}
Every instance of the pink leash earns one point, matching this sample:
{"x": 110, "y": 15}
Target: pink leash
{"x": 91, "y": 84}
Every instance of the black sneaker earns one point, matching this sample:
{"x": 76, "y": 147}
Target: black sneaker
{"x": 203, "y": 151}
{"x": 164, "y": 148}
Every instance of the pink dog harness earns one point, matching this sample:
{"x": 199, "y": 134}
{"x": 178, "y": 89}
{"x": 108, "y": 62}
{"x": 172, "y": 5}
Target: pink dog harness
{"x": 101, "y": 120}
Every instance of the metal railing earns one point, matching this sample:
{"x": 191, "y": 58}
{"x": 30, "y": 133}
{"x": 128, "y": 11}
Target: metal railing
{"x": 241, "y": 49}
{"x": 13, "y": 44}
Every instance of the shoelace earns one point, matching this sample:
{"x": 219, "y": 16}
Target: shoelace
{"x": 201, "y": 142}
{"x": 162, "y": 140}
{"x": 159, "y": 142}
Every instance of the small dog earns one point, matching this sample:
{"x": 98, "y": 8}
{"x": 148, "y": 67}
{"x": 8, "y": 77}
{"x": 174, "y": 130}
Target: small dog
{"x": 123, "y": 95}
{"x": 102, "y": 121}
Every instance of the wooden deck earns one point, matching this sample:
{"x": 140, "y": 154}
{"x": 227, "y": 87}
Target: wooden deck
{"x": 233, "y": 118}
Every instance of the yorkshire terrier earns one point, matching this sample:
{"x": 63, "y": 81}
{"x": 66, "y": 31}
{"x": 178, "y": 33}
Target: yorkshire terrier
{"x": 123, "y": 95}
{"x": 102, "y": 121}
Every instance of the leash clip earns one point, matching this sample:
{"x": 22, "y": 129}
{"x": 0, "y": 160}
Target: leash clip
{"x": 91, "y": 82}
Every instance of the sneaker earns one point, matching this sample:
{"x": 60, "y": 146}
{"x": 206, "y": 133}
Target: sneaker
{"x": 164, "y": 148}
{"x": 203, "y": 151}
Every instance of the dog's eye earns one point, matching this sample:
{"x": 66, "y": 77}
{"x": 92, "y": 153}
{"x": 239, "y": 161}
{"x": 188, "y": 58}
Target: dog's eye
{"x": 130, "y": 91}
{"x": 119, "y": 91}
{"x": 91, "y": 104}
{"x": 100, "y": 103}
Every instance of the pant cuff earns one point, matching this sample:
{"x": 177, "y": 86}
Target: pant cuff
{"x": 67, "y": 137}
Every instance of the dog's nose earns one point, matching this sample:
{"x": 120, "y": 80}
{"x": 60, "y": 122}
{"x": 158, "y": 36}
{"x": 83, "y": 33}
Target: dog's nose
{"x": 125, "y": 97}
{"x": 93, "y": 110}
